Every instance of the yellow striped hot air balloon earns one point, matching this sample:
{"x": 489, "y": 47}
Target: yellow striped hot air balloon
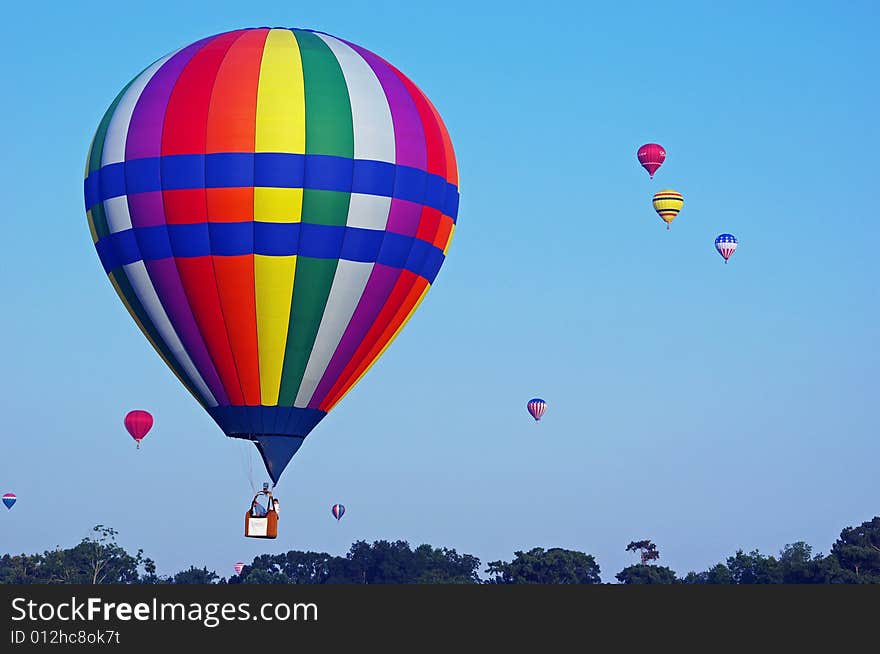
{"x": 667, "y": 204}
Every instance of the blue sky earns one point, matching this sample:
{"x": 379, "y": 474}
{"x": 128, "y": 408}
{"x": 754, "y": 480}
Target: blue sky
{"x": 704, "y": 406}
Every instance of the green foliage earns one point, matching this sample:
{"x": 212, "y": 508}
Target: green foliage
{"x": 99, "y": 559}
{"x": 646, "y": 574}
{"x": 553, "y": 566}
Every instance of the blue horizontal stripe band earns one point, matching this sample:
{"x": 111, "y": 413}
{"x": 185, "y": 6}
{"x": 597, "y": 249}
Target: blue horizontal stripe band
{"x": 248, "y": 421}
{"x": 271, "y": 169}
{"x": 272, "y": 239}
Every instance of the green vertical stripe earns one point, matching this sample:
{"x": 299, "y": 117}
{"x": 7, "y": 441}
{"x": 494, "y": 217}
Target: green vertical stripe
{"x": 328, "y": 131}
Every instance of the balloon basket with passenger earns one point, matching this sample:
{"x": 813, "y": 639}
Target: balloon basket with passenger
{"x": 262, "y": 521}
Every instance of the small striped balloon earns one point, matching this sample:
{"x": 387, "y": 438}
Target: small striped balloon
{"x": 667, "y": 204}
{"x": 726, "y": 245}
{"x": 239, "y": 567}
{"x": 338, "y": 510}
{"x": 9, "y": 499}
{"x": 537, "y": 407}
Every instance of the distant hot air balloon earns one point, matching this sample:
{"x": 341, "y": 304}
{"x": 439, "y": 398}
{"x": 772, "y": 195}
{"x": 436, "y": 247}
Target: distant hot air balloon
{"x": 271, "y": 205}
{"x": 667, "y": 204}
{"x": 651, "y": 156}
{"x": 239, "y": 567}
{"x": 726, "y": 245}
{"x": 537, "y": 407}
{"x": 338, "y": 511}
{"x": 138, "y": 423}
{"x": 9, "y": 499}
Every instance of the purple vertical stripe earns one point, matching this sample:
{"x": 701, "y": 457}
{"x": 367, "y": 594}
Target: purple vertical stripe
{"x": 403, "y": 218}
{"x": 409, "y": 137}
{"x": 376, "y": 292}
{"x": 144, "y": 139}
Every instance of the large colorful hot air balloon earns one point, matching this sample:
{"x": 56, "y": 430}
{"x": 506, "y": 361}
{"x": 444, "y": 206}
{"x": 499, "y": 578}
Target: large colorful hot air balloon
{"x": 239, "y": 567}
{"x": 271, "y": 206}
{"x": 138, "y": 423}
{"x": 338, "y": 510}
{"x": 667, "y": 204}
{"x": 651, "y": 156}
{"x": 9, "y": 499}
{"x": 726, "y": 245}
{"x": 537, "y": 407}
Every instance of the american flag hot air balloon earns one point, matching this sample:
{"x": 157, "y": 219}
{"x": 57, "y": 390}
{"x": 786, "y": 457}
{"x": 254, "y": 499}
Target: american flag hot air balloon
{"x": 537, "y": 407}
{"x": 726, "y": 245}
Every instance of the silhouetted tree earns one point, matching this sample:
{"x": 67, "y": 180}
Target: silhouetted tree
{"x": 858, "y": 550}
{"x": 646, "y": 574}
{"x": 646, "y": 549}
{"x": 553, "y": 566}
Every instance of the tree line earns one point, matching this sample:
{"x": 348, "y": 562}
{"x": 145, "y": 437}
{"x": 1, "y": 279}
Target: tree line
{"x": 854, "y": 558}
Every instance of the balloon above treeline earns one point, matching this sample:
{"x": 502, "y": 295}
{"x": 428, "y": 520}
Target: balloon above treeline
{"x": 138, "y": 423}
{"x": 239, "y": 567}
{"x": 271, "y": 206}
{"x": 651, "y": 156}
{"x": 536, "y": 407}
{"x": 338, "y": 510}
{"x": 9, "y": 499}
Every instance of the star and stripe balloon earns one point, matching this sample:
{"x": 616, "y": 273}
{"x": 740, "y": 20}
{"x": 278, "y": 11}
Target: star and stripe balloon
{"x": 238, "y": 567}
{"x": 536, "y": 407}
{"x": 271, "y": 205}
{"x": 338, "y": 510}
{"x": 667, "y": 204}
{"x": 726, "y": 245}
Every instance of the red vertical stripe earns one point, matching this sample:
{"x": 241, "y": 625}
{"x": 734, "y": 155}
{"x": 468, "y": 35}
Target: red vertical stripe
{"x": 184, "y": 133}
{"x": 231, "y": 128}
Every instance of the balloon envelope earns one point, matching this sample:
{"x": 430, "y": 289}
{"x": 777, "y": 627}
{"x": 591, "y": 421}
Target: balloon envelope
{"x": 138, "y": 423}
{"x": 726, "y": 245}
{"x": 271, "y": 205}
{"x": 667, "y": 204}
{"x": 651, "y": 156}
{"x": 537, "y": 407}
{"x": 239, "y": 567}
{"x": 9, "y": 499}
{"x": 338, "y": 511}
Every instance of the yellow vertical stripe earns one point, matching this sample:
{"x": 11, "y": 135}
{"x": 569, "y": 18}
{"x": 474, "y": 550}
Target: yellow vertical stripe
{"x": 281, "y": 127}
{"x": 274, "y": 282}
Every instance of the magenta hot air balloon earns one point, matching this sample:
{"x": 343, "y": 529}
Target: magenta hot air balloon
{"x": 239, "y": 567}
{"x": 651, "y": 156}
{"x": 338, "y": 511}
{"x": 537, "y": 407}
{"x": 138, "y": 423}
{"x": 9, "y": 499}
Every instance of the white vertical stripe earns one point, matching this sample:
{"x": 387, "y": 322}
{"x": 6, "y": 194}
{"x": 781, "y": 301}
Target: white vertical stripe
{"x": 140, "y": 281}
{"x": 119, "y": 219}
{"x": 116, "y": 209}
{"x": 374, "y": 140}
{"x": 371, "y": 116}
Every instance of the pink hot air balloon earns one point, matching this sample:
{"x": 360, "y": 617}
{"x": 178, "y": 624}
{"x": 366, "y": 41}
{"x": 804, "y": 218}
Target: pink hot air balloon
{"x": 238, "y": 567}
{"x": 651, "y": 156}
{"x": 138, "y": 423}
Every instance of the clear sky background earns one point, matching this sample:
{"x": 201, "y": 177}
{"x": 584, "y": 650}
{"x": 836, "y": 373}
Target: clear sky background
{"x": 704, "y": 406}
